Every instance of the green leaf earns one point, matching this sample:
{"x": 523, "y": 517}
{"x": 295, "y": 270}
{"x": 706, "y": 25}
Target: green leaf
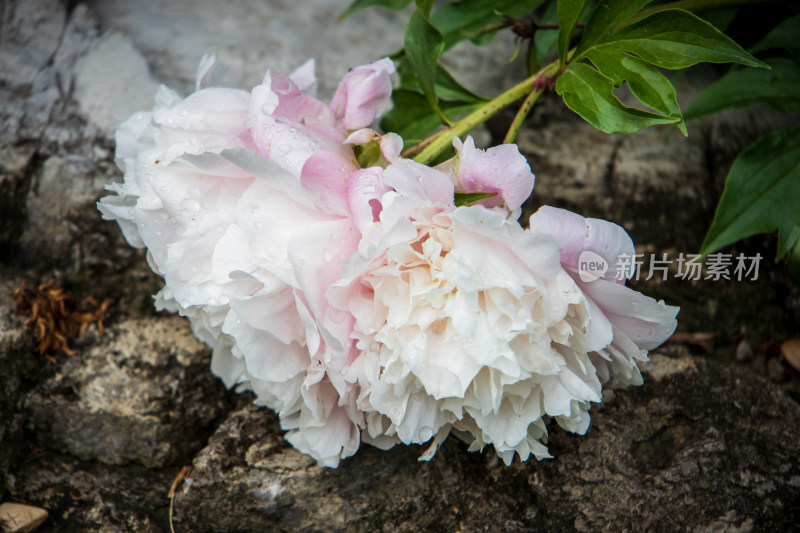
{"x": 762, "y": 193}
{"x": 424, "y": 44}
{"x": 395, "y": 5}
{"x": 569, "y": 12}
{"x": 605, "y": 18}
{"x": 783, "y": 36}
{"x": 469, "y": 19}
{"x": 425, "y": 7}
{"x": 467, "y": 198}
{"x": 676, "y": 39}
{"x": 413, "y": 119}
{"x": 591, "y": 95}
{"x": 652, "y": 88}
{"x": 779, "y": 88}
{"x": 447, "y": 87}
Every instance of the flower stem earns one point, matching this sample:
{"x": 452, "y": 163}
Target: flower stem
{"x": 533, "y": 87}
{"x": 524, "y": 109}
{"x": 428, "y": 149}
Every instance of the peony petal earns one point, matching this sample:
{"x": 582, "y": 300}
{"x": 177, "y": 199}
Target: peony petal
{"x": 647, "y": 322}
{"x": 364, "y": 191}
{"x": 324, "y": 176}
{"x": 576, "y": 234}
{"x": 410, "y": 178}
{"x": 304, "y": 77}
{"x": 363, "y": 94}
{"x": 501, "y": 170}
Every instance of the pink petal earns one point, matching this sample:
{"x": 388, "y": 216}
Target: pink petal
{"x": 501, "y": 169}
{"x": 410, "y": 178}
{"x": 647, "y": 322}
{"x": 576, "y": 234}
{"x": 291, "y": 102}
{"x": 317, "y": 252}
{"x": 304, "y": 77}
{"x": 364, "y": 190}
{"x": 209, "y": 120}
{"x": 324, "y": 176}
{"x": 363, "y": 94}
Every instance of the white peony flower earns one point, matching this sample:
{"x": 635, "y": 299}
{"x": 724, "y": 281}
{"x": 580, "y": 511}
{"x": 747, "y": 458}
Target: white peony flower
{"x": 347, "y": 289}
{"x": 242, "y": 202}
{"x": 465, "y": 322}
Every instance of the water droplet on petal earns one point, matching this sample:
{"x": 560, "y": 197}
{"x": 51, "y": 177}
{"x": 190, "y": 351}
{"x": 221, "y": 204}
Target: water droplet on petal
{"x": 190, "y": 205}
{"x": 326, "y": 255}
{"x": 425, "y": 434}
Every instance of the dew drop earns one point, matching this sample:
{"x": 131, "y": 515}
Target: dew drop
{"x": 194, "y": 192}
{"x": 419, "y": 178}
{"x": 183, "y": 112}
{"x": 259, "y": 225}
{"x": 326, "y": 255}
{"x": 190, "y": 205}
{"x": 425, "y": 434}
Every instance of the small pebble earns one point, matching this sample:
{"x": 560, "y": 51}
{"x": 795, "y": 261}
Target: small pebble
{"x": 744, "y": 352}
{"x": 19, "y": 518}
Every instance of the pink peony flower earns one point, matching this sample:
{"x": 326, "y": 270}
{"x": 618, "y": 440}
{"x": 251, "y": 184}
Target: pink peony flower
{"x": 467, "y": 323}
{"x": 242, "y": 201}
{"x": 346, "y": 288}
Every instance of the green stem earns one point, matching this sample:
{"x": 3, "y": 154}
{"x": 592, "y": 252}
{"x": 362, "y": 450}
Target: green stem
{"x": 427, "y": 150}
{"x": 524, "y": 109}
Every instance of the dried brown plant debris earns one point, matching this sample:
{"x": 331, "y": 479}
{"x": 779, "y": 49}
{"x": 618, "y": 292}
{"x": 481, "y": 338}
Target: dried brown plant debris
{"x": 55, "y": 318}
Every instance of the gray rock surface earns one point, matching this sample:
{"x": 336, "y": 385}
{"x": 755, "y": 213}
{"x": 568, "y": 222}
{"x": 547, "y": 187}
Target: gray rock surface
{"x": 680, "y": 453}
{"x": 98, "y": 438}
{"x": 142, "y": 394}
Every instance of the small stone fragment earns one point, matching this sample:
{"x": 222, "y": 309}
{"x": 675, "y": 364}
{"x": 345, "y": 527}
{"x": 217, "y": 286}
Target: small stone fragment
{"x": 791, "y": 352}
{"x": 744, "y": 351}
{"x": 19, "y": 518}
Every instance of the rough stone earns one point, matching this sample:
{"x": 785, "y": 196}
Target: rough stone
{"x": 20, "y": 370}
{"x": 702, "y": 446}
{"x": 251, "y": 36}
{"x": 112, "y": 81}
{"x": 717, "y": 443}
{"x": 90, "y": 497}
{"x": 142, "y": 394}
